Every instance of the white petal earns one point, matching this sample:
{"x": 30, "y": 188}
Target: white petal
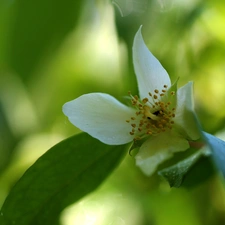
{"x": 101, "y": 116}
{"x": 158, "y": 149}
{"x": 149, "y": 72}
{"x": 185, "y": 116}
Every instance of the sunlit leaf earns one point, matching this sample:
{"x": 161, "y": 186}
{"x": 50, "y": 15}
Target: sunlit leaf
{"x": 68, "y": 171}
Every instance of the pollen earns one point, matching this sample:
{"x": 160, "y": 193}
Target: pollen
{"x": 153, "y": 115}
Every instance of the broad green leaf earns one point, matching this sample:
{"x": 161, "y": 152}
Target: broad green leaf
{"x": 176, "y": 174}
{"x": 67, "y": 172}
{"x": 217, "y": 147}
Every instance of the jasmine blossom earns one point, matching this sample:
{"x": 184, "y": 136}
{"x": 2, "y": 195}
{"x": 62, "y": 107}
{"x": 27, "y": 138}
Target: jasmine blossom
{"x": 162, "y": 116}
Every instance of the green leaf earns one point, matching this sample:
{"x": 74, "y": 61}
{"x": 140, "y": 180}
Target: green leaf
{"x": 176, "y": 174}
{"x": 217, "y": 147}
{"x": 68, "y": 171}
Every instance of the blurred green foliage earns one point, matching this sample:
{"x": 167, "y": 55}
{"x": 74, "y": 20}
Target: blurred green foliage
{"x": 54, "y": 51}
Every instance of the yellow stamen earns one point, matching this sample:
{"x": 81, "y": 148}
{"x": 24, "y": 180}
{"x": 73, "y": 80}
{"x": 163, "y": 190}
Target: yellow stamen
{"x": 153, "y": 114}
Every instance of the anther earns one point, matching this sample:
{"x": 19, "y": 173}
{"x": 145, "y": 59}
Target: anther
{"x": 141, "y": 124}
{"x": 145, "y": 100}
{"x": 163, "y": 121}
{"x": 133, "y": 125}
{"x": 156, "y": 91}
{"x": 128, "y": 121}
{"x": 133, "y": 118}
{"x": 165, "y": 86}
{"x": 155, "y": 96}
{"x": 137, "y": 138}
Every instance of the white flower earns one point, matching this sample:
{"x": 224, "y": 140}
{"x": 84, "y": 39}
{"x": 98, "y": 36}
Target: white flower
{"x": 163, "y": 116}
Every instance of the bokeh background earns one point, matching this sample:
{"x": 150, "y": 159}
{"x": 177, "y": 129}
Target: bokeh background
{"x": 53, "y": 51}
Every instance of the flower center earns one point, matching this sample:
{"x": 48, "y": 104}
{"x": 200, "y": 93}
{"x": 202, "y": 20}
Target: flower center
{"x": 152, "y": 117}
